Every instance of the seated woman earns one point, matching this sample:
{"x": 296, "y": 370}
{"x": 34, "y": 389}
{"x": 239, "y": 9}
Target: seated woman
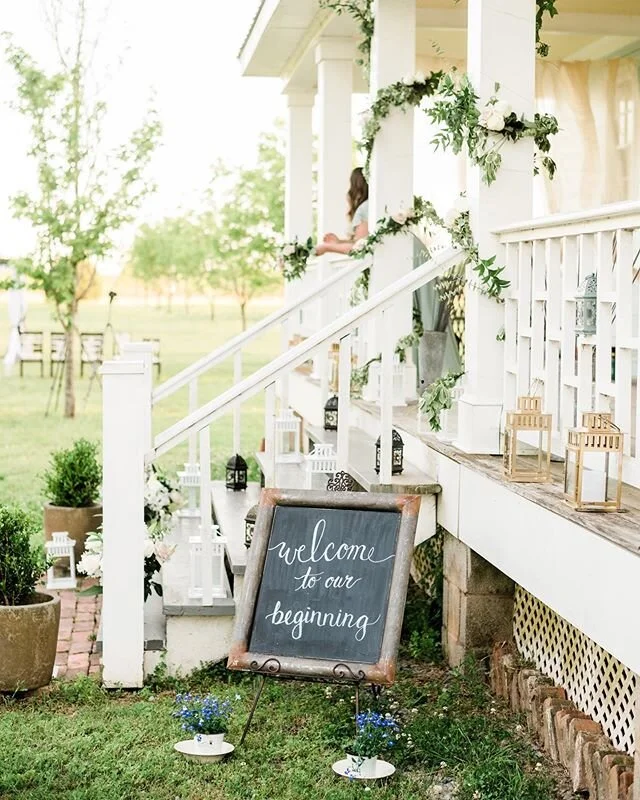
{"x": 358, "y": 215}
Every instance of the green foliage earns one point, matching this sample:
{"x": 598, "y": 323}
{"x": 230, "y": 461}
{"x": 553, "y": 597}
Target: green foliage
{"x": 402, "y": 95}
{"x": 83, "y": 195}
{"x": 74, "y": 476}
{"x": 491, "y": 281}
{"x": 293, "y": 258}
{"x": 464, "y": 126}
{"x": 362, "y": 12}
{"x": 543, "y": 7}
{"x": 21, "y": 564}
{"x": 438, "y": 397}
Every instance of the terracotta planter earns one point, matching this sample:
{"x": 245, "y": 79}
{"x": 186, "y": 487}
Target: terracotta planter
{"x": 78, "y": 522}
{"x": 28, "y": 637}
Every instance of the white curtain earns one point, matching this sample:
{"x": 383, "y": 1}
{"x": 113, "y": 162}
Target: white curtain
{"x": 597, "y": 150}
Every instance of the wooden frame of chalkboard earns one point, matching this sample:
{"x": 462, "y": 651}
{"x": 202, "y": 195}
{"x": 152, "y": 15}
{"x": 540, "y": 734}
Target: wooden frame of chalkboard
{"x": 381, "y": 668}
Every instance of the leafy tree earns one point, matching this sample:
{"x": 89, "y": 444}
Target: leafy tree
{"x": 84, "y": 193}
{"x": 247, "y": 220}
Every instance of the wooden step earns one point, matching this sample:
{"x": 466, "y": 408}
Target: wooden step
{"x": 362, "y": 459}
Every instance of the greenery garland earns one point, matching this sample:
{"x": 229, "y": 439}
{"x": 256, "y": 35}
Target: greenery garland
{"x": 437, "y": 398}
{"x": 544, "y": 7}
{"x": 483, "y": 133}
{"x": 362, "y": 12}
{"x": 409, "y": 92}
{"x": 293, "y": 258}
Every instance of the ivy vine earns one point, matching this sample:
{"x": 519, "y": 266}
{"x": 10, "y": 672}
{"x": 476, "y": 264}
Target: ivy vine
{"x": 437, "y": 398}
{"x": 543, "y": 7}
{"x": 362, "y": 13}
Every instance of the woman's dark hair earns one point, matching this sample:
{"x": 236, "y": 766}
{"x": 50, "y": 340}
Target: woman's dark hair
{"x": 358, "y": 191}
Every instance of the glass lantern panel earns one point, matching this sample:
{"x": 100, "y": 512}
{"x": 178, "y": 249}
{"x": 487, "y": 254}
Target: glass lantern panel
{"x": 527, "y": 452}
{"x": 594, "y": 477}
{"x": 397, "y": 458}
{"x": 331, "y": 419}
{"x": 61, "y": 568}
{"x": 570, "y": 473}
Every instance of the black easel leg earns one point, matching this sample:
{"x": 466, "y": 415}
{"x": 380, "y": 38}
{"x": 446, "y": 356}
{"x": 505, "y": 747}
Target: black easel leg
{"x": 253, "y": 708}
{"x": 357, "y": 704}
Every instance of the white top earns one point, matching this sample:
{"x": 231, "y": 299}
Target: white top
{"x": 361, "y": 215}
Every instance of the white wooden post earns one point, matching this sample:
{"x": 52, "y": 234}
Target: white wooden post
{"x": 205, "y": 516}
{"x": 386, "y": 394}
{"x": 193, "y": 405}
{"x": 509, "y": 199}
{"x": 269, "y": 435}
{"x": 298, "y": 197}
{"x": 124, "y": 424}
{"x": 334, "y": 58}
{"x": 393, "y": 55}
{"x": 143, "y": 351}
{"x": 237, "y": 409}
{"x": 283, "y": 382}
{"x": 344, "y": 400}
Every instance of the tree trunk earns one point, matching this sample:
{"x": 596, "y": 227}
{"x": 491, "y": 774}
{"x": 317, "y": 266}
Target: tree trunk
{"x": 212, "y": 309}
{"x": 69, "y": 378}
{"x": 243, "y": 315}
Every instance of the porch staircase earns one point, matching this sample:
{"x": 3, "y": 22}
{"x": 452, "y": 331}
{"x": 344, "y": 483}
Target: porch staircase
{"x": 193, "y": 630}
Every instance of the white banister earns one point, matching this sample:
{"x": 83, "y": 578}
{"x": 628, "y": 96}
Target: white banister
{"x": 193, "y": 404}
{"x": 124, "y": 425}
{"x": 265, "y": 376}
{"x": 270, "y": 434}
{"x": 205, "y": 517}
{"x": 237, "y": 377}
{"x": 223, "y": 352}
{"x": 344, "y": 401}
{"x": 143, "y": 351}
{"x": 578, "y": 370}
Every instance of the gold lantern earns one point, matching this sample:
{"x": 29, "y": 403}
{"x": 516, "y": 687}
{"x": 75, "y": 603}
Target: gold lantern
{"x": 593, "y": 464}
{"x": 527, "y": 462}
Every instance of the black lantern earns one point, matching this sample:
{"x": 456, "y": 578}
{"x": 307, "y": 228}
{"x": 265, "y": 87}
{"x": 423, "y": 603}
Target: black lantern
{"x": 236, "y": 473}
{"x": 397, "y": 453}
{"x": 249, "y": 525}
{"x": 331, "y": 414}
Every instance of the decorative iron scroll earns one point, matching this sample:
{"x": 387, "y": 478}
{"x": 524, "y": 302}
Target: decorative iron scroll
{"x": 271, "y": 666}
{"x": 342, "y": 671}
{"x": 341, "y": 482}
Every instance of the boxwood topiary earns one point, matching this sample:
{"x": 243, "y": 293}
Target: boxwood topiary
{"x": 21, "y": 564}
{"x": 74, "y": 476}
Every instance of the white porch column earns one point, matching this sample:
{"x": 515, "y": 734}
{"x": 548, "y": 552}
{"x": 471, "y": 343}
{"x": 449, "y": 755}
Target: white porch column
{"x": 393, "y": 55}
{"x": 334, "y": 59}
{"x": 298, "y": 199}
{"x": 508, "y": 199}
{"x": 125, "y": 431}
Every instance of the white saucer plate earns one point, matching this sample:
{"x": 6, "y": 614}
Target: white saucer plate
{"x": 191, "y": 751}
{"x": 383, "y": 770}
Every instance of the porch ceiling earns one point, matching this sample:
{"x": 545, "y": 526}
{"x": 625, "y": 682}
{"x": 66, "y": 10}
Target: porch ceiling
{"x": 280, "y": 41}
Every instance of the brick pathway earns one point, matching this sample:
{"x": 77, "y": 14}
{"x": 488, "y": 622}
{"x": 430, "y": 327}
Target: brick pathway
{"x": 79, "y": 623}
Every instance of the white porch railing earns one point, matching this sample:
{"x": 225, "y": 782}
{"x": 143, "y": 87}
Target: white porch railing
{"x": 547, "y": 260}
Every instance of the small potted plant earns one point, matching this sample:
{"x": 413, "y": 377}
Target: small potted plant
{"x": 29, "y": 621}
{"x": 72, "y": 485}
{"x": 375, "y": 733}
{"x": 207, "y": 718}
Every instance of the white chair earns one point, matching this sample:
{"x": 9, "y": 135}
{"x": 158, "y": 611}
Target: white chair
{"x": 322, "y": 460}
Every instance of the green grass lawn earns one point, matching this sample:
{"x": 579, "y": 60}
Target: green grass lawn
{"x": 27, "y": 437}
{"x": 79, "y": 743}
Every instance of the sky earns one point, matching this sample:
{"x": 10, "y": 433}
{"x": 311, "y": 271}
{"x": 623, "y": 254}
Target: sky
{"x": 182, "y": 51}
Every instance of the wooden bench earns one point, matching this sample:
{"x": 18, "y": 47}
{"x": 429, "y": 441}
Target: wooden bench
{"x": 91, "y": 350}
{"x": 32, "y": 350}
{"x": 57, "y": 350}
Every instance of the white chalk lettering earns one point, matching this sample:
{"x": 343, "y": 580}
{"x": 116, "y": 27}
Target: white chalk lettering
{"x": 296, "y": 620}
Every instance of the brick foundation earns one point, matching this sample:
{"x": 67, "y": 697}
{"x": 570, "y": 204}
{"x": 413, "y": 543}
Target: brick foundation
{"x": 568, "y": 736}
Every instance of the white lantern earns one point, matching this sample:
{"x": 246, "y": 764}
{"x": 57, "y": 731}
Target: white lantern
{"x": 196, "y": 567}
{"x": 189, "y": 480}
{"x": 288, "y": 433}
{"x": 59, "y": 576}
{"x": 322, "y": 460}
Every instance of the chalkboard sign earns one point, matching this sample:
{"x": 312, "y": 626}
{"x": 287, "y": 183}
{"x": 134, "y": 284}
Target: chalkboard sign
{"x": 325, "y": 585}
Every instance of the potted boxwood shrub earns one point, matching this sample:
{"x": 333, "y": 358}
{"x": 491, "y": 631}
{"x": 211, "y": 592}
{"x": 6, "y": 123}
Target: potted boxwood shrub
{"x": 29, "y": 621}
{"x": 72, "y": 486}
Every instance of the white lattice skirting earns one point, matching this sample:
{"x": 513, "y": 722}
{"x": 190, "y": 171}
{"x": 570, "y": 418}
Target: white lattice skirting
{"x": 594, "y": 680}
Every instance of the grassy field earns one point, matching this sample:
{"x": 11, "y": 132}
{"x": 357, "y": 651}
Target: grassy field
{"x": 80, "y": 743}
{"x": 27, "y": 437}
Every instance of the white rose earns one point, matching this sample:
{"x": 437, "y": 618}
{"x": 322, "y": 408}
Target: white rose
{"x": 360, "y": 244}
{"x": 288, "y": 250}
{"x": 90, "y": 564}
{"x": 450, "y": 217}
{"x": 408, "y": 80}
{"x": 502, "y": 107}
{"x": 419, "y": 77}
{"x": 400, "y": 217}
{"x": 148, "y": 548}
{"x": 176, "y": 497}
{"x": 93, "y": 544}
{"x": 462, "y": 205}
{"x": 495, "y": 121}
{"x": 484, "y": 117}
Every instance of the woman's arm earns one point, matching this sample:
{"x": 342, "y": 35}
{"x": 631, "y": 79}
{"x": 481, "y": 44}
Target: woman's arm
{"x": 335, "y": 245}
